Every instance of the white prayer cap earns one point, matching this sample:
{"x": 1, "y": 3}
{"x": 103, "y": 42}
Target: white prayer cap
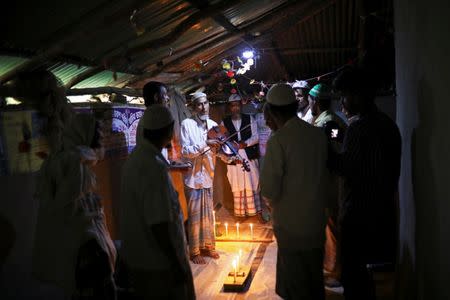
{"x": 157, "y": 116}
{"x": 300, "y": 84}
{"x": 197, "y": 95}
{"x": 234, "y": 97}
{"x": 281, "y": 94}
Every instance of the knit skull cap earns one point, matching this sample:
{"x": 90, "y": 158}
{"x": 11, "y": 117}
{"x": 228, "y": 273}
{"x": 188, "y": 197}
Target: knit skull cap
{"x": 320, "y": 91}
{"x": 157, "y": 116}
{"x": 234, "y": 98}
{"x": 281, "y": 94}
{"x": 300, "y": 84}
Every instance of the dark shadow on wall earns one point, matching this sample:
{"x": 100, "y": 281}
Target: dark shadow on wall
{"x": 8, "y": 238}
{"x": 425, "y": 196}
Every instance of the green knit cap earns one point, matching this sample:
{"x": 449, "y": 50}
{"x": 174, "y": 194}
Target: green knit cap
{"x": 320, "y": 91}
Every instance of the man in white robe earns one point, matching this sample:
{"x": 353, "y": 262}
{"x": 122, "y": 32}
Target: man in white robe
{"x": 244, "y": 185}
{"x": 151, "y": 223}
{"x": 195, "y": 147}
{"x": 295, "y": 189}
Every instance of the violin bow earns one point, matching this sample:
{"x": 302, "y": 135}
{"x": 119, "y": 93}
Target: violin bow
{"x": 229, "y": 137}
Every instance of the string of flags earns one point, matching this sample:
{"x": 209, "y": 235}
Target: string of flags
{"x": 238, "y": 67}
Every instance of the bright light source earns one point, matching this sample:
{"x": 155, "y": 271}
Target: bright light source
{"x": 250, "y": 62}
{"x": 247, "y": 54}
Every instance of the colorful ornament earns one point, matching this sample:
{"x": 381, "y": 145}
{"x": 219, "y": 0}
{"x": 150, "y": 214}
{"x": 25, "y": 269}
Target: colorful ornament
{"x": 226, "y": 65}
{"x": 233, "y": 91}
{"x": 230, "y": 74}
{"x": 233, "y": 81}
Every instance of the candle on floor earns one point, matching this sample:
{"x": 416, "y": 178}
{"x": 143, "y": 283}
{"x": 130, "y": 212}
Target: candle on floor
{"x": 226, "y": 229}
{"x": 251, "y": 231}
{"x": 239, "y": 259}
{"x": 237, "y": 230}
{"x": 234, "y": 266}
{"x": 214, "y": 223}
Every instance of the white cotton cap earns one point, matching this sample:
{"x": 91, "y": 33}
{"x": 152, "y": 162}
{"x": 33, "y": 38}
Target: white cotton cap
{"x": 197, "y": 95}
{"x": 300, "y": 84}
{"x": 281, "y": 94}
{"x": 157, "y": 116}
{"x": 234, "y": 98}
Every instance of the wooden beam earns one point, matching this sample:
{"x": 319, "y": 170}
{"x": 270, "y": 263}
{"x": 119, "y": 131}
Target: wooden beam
{"x": 219, "y": 18}
{"x": 182, "y": 27}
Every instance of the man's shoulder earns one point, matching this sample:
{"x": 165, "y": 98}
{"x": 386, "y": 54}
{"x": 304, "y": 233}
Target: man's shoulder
{"x": 211, "y": 123}
{"x": 188, "y": 121}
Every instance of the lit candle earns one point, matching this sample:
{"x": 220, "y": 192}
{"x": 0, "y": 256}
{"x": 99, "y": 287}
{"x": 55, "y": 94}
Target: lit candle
{"x": 214, "y": 222}
{"x": 234, "y": 266}
{"x": 238, "y": 263}
{"x": 239, "y": 259}
{"x": 251, "y": 231}
{"x": 226, "y": 229}
{"x": 237, "y": 230}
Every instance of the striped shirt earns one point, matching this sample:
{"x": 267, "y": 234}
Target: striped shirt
{"x": 370, "y": 165}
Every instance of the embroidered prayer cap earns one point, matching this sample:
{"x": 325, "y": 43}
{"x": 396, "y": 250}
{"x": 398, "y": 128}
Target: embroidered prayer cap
{"x": 234, "y": 98}
{"x": 281, "y": 94}
{"x": 300, "y": 84}
{"x": 320, "y": 91}
{"x": 157, "y": 116}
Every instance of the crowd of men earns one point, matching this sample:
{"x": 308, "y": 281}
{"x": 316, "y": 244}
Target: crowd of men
{"x": 330, "y": 186}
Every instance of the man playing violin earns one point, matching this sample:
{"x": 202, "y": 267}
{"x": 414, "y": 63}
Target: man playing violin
{"x": 243, "y": 184}
{"x": 199, "y": 180}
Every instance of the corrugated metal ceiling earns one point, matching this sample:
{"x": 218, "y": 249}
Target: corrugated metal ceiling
{"x": 104, "y": 34}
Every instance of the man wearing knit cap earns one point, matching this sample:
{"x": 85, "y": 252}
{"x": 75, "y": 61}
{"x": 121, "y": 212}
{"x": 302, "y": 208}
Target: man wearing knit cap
{"x": 244, "y": 185}
{"x": 298, "y": 216}
{"x": 199, "y": 180}
{"x": 301, "y": 90}
{"x": 334, "y": 127}
{"x": 151, "y": 223}
{"x": 320, "y": 103}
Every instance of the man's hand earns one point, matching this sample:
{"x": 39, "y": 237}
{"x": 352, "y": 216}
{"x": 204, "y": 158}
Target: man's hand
{"x": 213, "y": 144}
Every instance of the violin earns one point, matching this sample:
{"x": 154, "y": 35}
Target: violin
{"x": 228, "y": 147}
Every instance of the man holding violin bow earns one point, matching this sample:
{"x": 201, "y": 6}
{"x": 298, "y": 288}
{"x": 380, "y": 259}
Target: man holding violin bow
{"x": 244, "y": 184}
{"x": 195, "y": 147}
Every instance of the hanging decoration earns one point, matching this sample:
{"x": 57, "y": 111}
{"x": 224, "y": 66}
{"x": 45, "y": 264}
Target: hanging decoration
{"x": 198, "y": 66}
{"x": 316, "y": 78}
{"x": 230, "y": 74}
{"x": 238, "y": 66}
